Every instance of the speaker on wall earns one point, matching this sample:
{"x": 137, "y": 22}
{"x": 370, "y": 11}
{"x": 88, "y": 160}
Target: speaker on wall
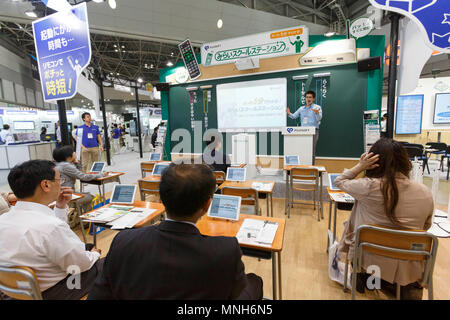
{"x": 162, "y": 86}
{"x": 369, "y": 64}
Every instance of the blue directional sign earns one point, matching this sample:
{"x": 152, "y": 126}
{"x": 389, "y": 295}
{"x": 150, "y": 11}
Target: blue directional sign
{"x": 432, "y": 17}
{"x": 63, "y": 50}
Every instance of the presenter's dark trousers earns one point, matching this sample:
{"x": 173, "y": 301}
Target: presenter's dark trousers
{"x": 315, "y": 138}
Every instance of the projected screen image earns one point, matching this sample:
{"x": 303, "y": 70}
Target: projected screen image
{"x": 225, "y": 207}
{"x": 442, "y": 108}
{"x": 259, "y": 104}
{"x": 409, "y": 114}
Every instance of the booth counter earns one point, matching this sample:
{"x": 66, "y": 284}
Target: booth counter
{"x": 10, "y": 155}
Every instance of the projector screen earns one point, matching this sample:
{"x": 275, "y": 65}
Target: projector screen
{"x": 259, "y": 104}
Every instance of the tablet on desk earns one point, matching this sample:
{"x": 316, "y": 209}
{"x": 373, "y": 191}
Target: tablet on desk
{"x": 98, "y": 167}
{"x": 225, "y": 207}
{"x": 155, "y": 156}
{"x": 291, "y": 160}
{"x": 123, "y": 193}
{"x": 236, "y": 174}
{"x": 158, "y": 168}
{"x": 331, "y": 178}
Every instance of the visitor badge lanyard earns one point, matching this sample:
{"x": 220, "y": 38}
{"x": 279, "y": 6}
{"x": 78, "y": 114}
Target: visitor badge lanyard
{"x": 206, "y": 99}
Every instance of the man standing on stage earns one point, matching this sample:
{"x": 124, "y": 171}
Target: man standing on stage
{"x": 310, "y": 116}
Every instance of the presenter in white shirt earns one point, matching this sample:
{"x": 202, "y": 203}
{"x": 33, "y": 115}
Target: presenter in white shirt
{"x": 310, "y": 116}
{"x": 33, "y": 235}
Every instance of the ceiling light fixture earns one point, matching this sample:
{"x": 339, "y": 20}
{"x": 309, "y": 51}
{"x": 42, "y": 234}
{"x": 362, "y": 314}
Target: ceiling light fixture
{"x": 140, "y": 80}
{"x": 98, "y": 1}
{"x": 169, "y": 63}
{"x": 112, "y": 4}
{"x": 31, "y": 13}
{"x": 329, "y": 33}
{"x": 220, "y": 23}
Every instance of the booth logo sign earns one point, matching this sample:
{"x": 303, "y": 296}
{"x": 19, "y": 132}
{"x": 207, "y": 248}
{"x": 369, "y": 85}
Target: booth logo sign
{"x": 252, "y": 51}
{"x": 361, "y": 27}
{"x": 290, "y": 130}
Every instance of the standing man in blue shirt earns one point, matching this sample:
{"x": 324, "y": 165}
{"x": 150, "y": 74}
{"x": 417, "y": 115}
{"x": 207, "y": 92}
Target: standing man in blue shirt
{"x": 116, "y": 136}
{"x": 310, "y": 116}
{"x": 90, "y": 142}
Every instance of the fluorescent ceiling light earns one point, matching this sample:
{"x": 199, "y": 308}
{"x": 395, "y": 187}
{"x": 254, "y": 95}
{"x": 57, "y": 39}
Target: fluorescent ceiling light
{"x": 169, "y": 64}
{"x": 329, "y": 34}
{"x": 219, "y": 23}
{"x": 140, "y": 80}
{"x": 112, "y": 4}
{"x": 31, "y": 13}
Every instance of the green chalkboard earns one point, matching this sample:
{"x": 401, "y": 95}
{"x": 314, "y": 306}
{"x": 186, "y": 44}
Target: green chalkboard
{"x": 343, "y": 104}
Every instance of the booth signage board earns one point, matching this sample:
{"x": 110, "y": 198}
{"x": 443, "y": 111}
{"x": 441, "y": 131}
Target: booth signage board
{"x": 63, "y": 50}
{"x": 431, "y": 16}
{"x": 361, "y": 27}
{"x": 188, "y": 54}
{"x": 55, "y": 112}
{"x": 298, "y": 131}
{"x": 283, "y": 42}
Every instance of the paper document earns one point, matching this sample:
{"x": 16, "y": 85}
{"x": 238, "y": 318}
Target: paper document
{"x": 342, "y": 197}
{"x": 74, "y": 197}
{"x": 262, "y": 186}
{"x": 320, "y": 168}
{"x": 440, "y": 214}
{"x": 104, "y": 215}
{"x": 133, "y": 217}
{"x": 257, "y": 232}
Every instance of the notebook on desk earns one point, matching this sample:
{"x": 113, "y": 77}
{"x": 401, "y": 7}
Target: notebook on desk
{"x": 225, "y": 207}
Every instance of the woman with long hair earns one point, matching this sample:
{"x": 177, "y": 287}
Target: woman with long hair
{"x": 386, "y": 196}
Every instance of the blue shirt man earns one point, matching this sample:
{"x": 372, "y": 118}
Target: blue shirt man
{"x": 116, "y": 133}
{"x": 90, "y": 141}
{"x": 310, "y": 116}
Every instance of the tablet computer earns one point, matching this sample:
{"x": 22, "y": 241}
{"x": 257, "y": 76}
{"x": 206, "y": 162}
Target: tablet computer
{"x": 123, "y": 193}
{"x": 158, "y": 168}
{"x": 155, "y": 156}
{"x": 98, "y": 167}
{"x": 331, "y": 178}
{"x": 236, "y": 174}
{"x": 225, "y": 207}
{"x": 291, "y": 160}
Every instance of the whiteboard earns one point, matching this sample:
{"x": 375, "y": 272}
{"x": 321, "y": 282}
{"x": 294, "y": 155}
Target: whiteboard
{"x": 259, "y": 104}
{"x": 409, "y": 114}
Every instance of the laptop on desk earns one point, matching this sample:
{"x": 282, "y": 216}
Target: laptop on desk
{"x": 158, "y": 168}
{"x": 291, "y": 160}
{"x": 98, "y": 167}
{"x": 331, "y": 178}
{"x": 123, "y": 194}
{"x": 236, "y": 174}
{"x": 155, "y": 156}
{"x": 225, "y": 207}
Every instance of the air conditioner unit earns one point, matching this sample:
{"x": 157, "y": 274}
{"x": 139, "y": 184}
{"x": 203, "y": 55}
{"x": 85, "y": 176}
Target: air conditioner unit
{"x": 247, "y": 63}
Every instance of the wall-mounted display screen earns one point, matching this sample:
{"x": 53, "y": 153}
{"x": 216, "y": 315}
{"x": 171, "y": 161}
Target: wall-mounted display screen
{"x": 442, "y": 108}
{"x": 23, "y": 125}
{"x": 409, "y": 114}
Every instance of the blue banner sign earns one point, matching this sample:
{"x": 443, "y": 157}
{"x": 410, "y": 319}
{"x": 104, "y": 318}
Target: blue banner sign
{"x": 432, "y": 17}
{"x": 63, "y": 50}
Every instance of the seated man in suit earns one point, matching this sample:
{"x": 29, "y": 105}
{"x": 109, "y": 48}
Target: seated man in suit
{"x": 173, "y": 260}
{"x": 35, "y": 236}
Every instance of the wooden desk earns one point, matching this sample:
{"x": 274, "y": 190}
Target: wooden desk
{"x": 111, "y": 177}
{"x": 156, "y": 178}
{"x": 160, "y": 209}
{"x": 248, "y": 184}
{"x": 218, "y": 227}
{"x": 288, "y": 176}
{"x": 332, "y": 202}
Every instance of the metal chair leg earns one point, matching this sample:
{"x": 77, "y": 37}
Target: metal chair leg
{"x": 397, "y": 296}
{"x": 346, "y": 273}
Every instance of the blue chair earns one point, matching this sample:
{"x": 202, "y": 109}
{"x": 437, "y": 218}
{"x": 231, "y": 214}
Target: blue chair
{"x": 438, "y": 146}
{"x": 416, "y": 151}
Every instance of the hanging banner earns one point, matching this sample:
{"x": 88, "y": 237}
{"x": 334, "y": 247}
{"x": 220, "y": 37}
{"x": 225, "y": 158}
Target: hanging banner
{"x": 300, "y": 99}
{"x": 431, "y": 16}
{"x": 289, "y": 41}
{"x": 321, "y": 86}
{"x": 63, "y": 50}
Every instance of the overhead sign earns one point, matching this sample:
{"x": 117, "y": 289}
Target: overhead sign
{"x": 276, "y": 43}
{"x": 432, "y": 17}
{"x": 63, "y": 50}
{"x": 188, "y": 54}
{"x": 361, "y": 27}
